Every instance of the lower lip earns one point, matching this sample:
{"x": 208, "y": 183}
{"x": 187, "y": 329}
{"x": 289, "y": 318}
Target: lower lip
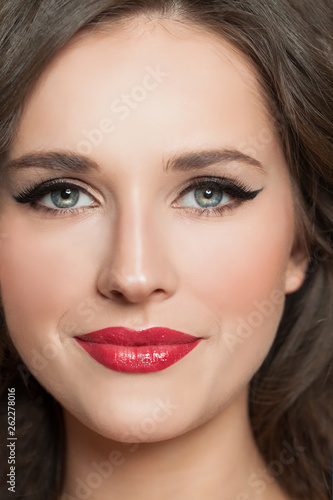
{"x": 141, "y": 359}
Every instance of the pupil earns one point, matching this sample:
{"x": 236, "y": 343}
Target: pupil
{"x": 208, "y": 196}
{"x": 66, "y": 194}
{"x": 65, "y": 198}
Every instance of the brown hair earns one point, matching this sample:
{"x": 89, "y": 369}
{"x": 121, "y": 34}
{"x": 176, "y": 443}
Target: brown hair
{"x": 289, "y": 43}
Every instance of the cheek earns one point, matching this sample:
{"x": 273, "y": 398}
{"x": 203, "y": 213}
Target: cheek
{"x": 240, "y": 263}
{"x": 43, "y": 275}
{"x": 238, "y": 260}
{"x": 234, "y": 276}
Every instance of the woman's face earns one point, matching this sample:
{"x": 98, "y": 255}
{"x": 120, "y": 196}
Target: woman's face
{"x": 162, "y": 120}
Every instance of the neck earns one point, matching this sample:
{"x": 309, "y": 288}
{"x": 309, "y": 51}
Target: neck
{"x": 214, "y": 460}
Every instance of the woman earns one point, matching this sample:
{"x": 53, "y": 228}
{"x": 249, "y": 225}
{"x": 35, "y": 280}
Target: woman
{"x": 166, "y": 251}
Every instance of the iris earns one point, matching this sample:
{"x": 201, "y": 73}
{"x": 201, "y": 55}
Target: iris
{"x": 208, "y": 197}
{"x": 65, "y": 198}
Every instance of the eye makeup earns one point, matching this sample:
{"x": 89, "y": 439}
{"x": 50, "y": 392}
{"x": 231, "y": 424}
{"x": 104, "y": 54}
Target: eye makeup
{"x": 65, "y": 188}
{"x": 211, "y": 191}
{"x": 214, "y": 189}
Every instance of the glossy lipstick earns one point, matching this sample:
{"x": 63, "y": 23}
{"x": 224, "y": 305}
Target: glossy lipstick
{"x": 133, "y": 351}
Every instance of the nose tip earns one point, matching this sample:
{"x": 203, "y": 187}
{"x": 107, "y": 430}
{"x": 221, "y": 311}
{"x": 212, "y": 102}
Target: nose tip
{"x": 138, "y": 263}
{"x": 156, "y": 283}
{"x": 133, "y": 289}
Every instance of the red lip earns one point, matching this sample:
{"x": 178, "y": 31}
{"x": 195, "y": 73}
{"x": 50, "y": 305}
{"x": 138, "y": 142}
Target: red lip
{"x": 133, "y": 351}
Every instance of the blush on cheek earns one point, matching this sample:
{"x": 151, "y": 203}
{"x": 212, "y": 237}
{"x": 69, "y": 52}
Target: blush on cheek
{"x": 257, "y": 275}
{"x": 39, "y": 279}
{"x": 237, "y": 265}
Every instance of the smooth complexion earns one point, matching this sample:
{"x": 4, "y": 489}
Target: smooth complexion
{"x": 137, "y": 251}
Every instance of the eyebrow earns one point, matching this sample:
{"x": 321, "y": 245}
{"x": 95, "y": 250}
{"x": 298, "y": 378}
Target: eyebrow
{"x": 67, "y": 162}
{"x": 202, "y": 159}
{"x": 187, "y": 161}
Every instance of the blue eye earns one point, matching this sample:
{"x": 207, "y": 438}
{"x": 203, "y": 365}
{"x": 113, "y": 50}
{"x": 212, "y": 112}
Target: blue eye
{"x": 66, "y": 198}
{"x": 214, "y": 196}
{"x": 208, "y": 196}
{"x": 57, "y": 196}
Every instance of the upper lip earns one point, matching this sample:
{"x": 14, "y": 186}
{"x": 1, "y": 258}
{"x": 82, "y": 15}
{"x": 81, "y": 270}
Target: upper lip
{"x": 119, "y": 335}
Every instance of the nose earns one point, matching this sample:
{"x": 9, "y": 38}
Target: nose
{"x": 138, "y": 266}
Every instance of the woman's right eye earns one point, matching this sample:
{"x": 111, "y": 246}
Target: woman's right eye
{"x": 57, "y": 197}
{"x": 67, "y": 198}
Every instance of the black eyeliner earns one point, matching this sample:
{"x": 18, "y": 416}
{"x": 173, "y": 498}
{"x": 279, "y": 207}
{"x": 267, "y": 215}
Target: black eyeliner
{"x": 235, "y": 188}
{"x": 34, "y": 193}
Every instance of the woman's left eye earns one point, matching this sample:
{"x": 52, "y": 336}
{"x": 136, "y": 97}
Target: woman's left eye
{"x": 214, "y": 196}
{"x": 209, "y": 196}
{"x": 67, "y": 198}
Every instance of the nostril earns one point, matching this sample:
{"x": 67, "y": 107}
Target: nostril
{"x": 135, "y": 296}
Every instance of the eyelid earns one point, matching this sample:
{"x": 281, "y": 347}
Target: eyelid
{"x": 227, "y": 184}
{"x": 31, "y": 193}
{"x": 238, "y": 190}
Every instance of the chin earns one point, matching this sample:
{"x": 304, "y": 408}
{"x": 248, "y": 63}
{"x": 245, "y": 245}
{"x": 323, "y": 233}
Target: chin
{"x": 158, "y": 422}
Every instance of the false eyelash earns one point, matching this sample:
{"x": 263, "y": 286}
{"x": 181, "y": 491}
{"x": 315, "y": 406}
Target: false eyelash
{"x": 31, "y": 194}
{"x": 237, "y": 189}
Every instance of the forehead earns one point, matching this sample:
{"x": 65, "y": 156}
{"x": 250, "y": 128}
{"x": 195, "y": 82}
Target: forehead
{"x": 186, "y": 84}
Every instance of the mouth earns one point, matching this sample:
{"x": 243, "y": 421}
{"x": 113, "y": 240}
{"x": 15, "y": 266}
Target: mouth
{"x": 133, "y": 351}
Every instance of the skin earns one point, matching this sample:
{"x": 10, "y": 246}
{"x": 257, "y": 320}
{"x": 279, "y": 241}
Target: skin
{"x": 142, "y": 258}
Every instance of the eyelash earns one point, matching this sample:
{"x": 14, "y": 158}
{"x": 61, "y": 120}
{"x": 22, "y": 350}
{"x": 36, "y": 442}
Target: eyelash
{"x": 32, "y": 194}
{"x": 235, "y": 188}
